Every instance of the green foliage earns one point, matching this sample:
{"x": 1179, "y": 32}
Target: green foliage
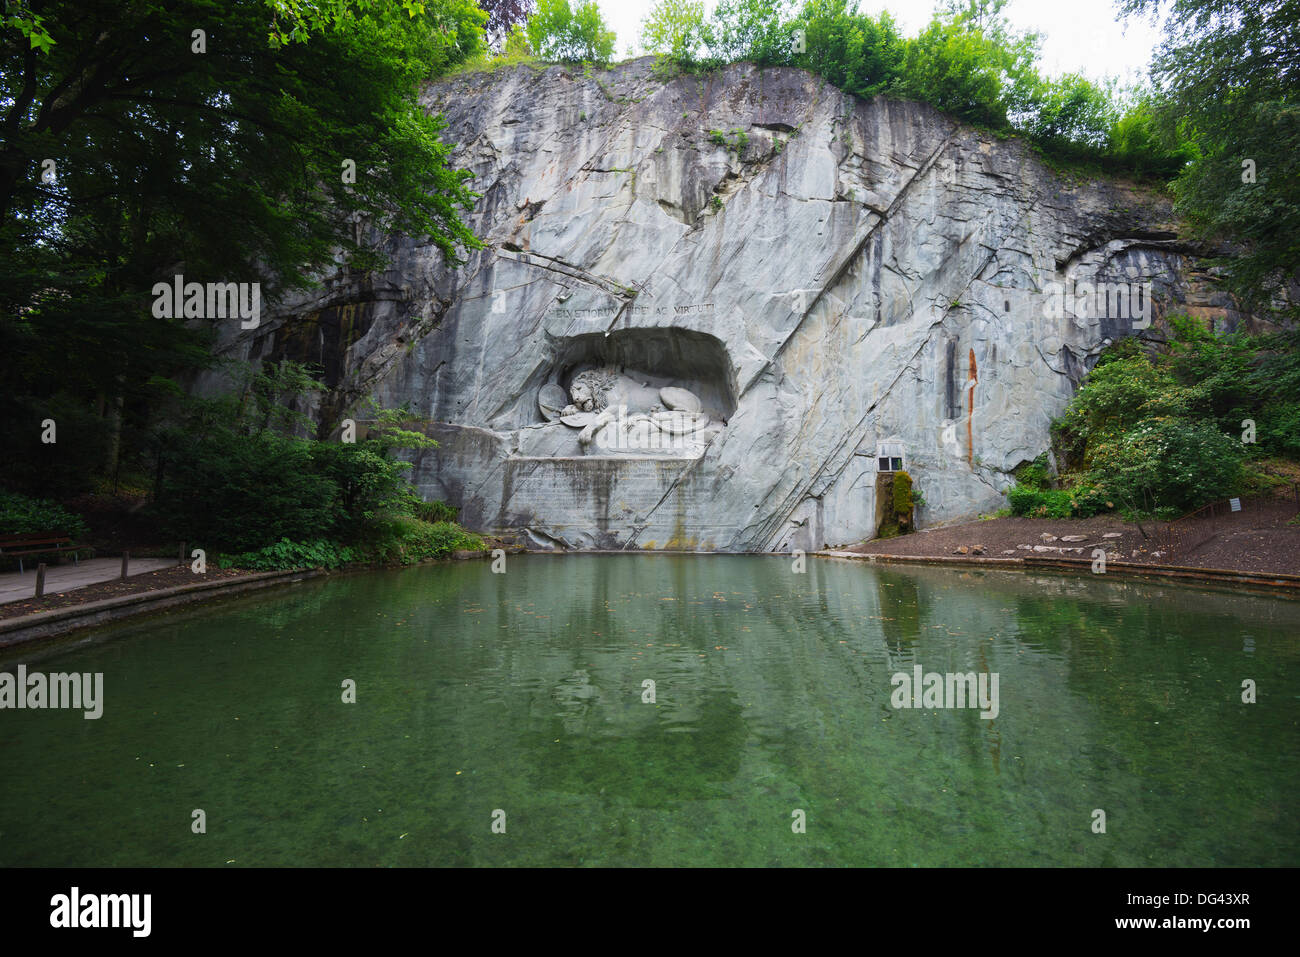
{"x": 515, "y": 52}
{"x": 749, "y": 30}
{"x": 20, "y": 513}
{"x": 434, "y": 511}
{"x": 389, "y": 429}
{"x": 1034, "y": 474}
{"x": 1136, "y": 144}
{"x": 1121, "y": 393}
{"x": 1227, "y": 75}
{"x": 1168, "y": 465}
{"x": 1244, "y": 378}
{"x": 736, "y": 141}
{"x": 286, "y": 554}
{"x": 240, "y": 492}
{"x": 405, "y": 540}
{"x": 1036, "y": 502}
{"x": 961, "y": 71}
{"x": 234, "y": 475}
{"x": 918, "y": 498}
{"x": 224, "y": 166}
{"x": 674, "y": 29}
{"x": 516, "y": 45}
{"x": 903, "y": 503}
{"x": 558, "y": 32}
{"x": 1170, "y": 432}
{"x": 294, "y": 21}
{"x": 968, "y": 61}
{"x": 855, "y": 52}
{"x": 1072, "y": 115}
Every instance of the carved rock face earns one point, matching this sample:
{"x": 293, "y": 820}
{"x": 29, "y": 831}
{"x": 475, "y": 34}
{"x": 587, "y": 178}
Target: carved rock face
{"x": 681, "y": 400}
{"x": 857, "y": 270}
{"x": 551, "y": 401}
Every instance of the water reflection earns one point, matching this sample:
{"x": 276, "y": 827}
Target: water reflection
{"x": 524, "y": 691}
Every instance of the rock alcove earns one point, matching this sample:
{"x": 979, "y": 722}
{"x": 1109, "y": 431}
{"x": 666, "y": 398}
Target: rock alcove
{"x": 658, "y": 391}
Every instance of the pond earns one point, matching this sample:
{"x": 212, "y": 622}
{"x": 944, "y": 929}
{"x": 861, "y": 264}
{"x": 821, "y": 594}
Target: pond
{"x": 505, "y": 719}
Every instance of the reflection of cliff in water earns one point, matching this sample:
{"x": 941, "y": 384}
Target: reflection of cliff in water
{"x": 613, "y": 743}
{"x": 899, "y": 609}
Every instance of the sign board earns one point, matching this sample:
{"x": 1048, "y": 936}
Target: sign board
{"x": 1235, "y": 504}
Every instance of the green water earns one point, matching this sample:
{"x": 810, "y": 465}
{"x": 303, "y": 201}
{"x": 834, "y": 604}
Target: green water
{"x": 523, "y": 693}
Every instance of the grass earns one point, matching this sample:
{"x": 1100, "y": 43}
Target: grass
{"x": 486, "y": 63}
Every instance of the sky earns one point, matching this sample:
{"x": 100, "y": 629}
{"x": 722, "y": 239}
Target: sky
{"x": 1080, "y": 36}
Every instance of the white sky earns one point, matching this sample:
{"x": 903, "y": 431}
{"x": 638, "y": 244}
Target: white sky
{"x": 1080, "y": 36}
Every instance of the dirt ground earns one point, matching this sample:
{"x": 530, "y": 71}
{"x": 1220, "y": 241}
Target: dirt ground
{"x": 1256, "y": 540}
{"x": 151, "y": 581}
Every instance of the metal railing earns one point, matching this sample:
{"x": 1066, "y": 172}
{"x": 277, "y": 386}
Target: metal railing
{"x": 1189, "y": 532}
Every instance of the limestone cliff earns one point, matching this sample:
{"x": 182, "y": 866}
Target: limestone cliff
{"x": 838, "y": 281}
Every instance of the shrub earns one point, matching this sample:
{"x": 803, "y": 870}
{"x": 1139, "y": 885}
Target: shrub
{"x": 903, "y": 502}
{"x": 285, "y": 554}
{"x": 854, "y": 51}
{"x": 1079, "y": 502}
{"x": 1040, "y": 503}
{"x": 434, "y": 511}
{"x": 405, "y": 540}
{"x": 1121, "y": 393}
{"x": 1170, "y": 464}
{"x": 239, "y": 493}
{"x": 19, "y": 513}
{"x": 1033, "y": 475}
{"x": 516, "y": 45}
{"x": 749, "y": 30}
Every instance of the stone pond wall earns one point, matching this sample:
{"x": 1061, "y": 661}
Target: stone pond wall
{"x": 836, "y": 281}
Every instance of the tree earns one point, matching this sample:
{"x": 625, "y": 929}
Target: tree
{"x": 578, "y": 34}
{"x": 855, "y": 52}
{"x": 750, "y": 30}
{"x": 972, "y": 65}
{"x": 133, "y": 150}
{"x": 503, "y": 17}
{"x": 1071, "y": 115}
{"x": 1227, "y": 75}
{"x": 675, "y": 30}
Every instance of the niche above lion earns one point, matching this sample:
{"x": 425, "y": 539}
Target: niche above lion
{"x": 637, "y": 392}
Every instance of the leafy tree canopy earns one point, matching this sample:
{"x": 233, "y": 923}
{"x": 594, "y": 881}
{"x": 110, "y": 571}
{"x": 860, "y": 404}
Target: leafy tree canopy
{"x": 1227, "y": 76}
{"x": 571, "y": 34}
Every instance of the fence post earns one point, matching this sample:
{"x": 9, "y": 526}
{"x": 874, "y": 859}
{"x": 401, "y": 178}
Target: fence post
{"x": 180, "y": 558}
{"x": 126, "y": 558}
{"x": 40, "y": 580}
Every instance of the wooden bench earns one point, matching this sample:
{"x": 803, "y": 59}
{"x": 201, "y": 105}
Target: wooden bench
{"x": 37, "y": 543}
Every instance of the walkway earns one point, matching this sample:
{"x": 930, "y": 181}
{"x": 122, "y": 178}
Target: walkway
{"x": 60, "y": 578}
